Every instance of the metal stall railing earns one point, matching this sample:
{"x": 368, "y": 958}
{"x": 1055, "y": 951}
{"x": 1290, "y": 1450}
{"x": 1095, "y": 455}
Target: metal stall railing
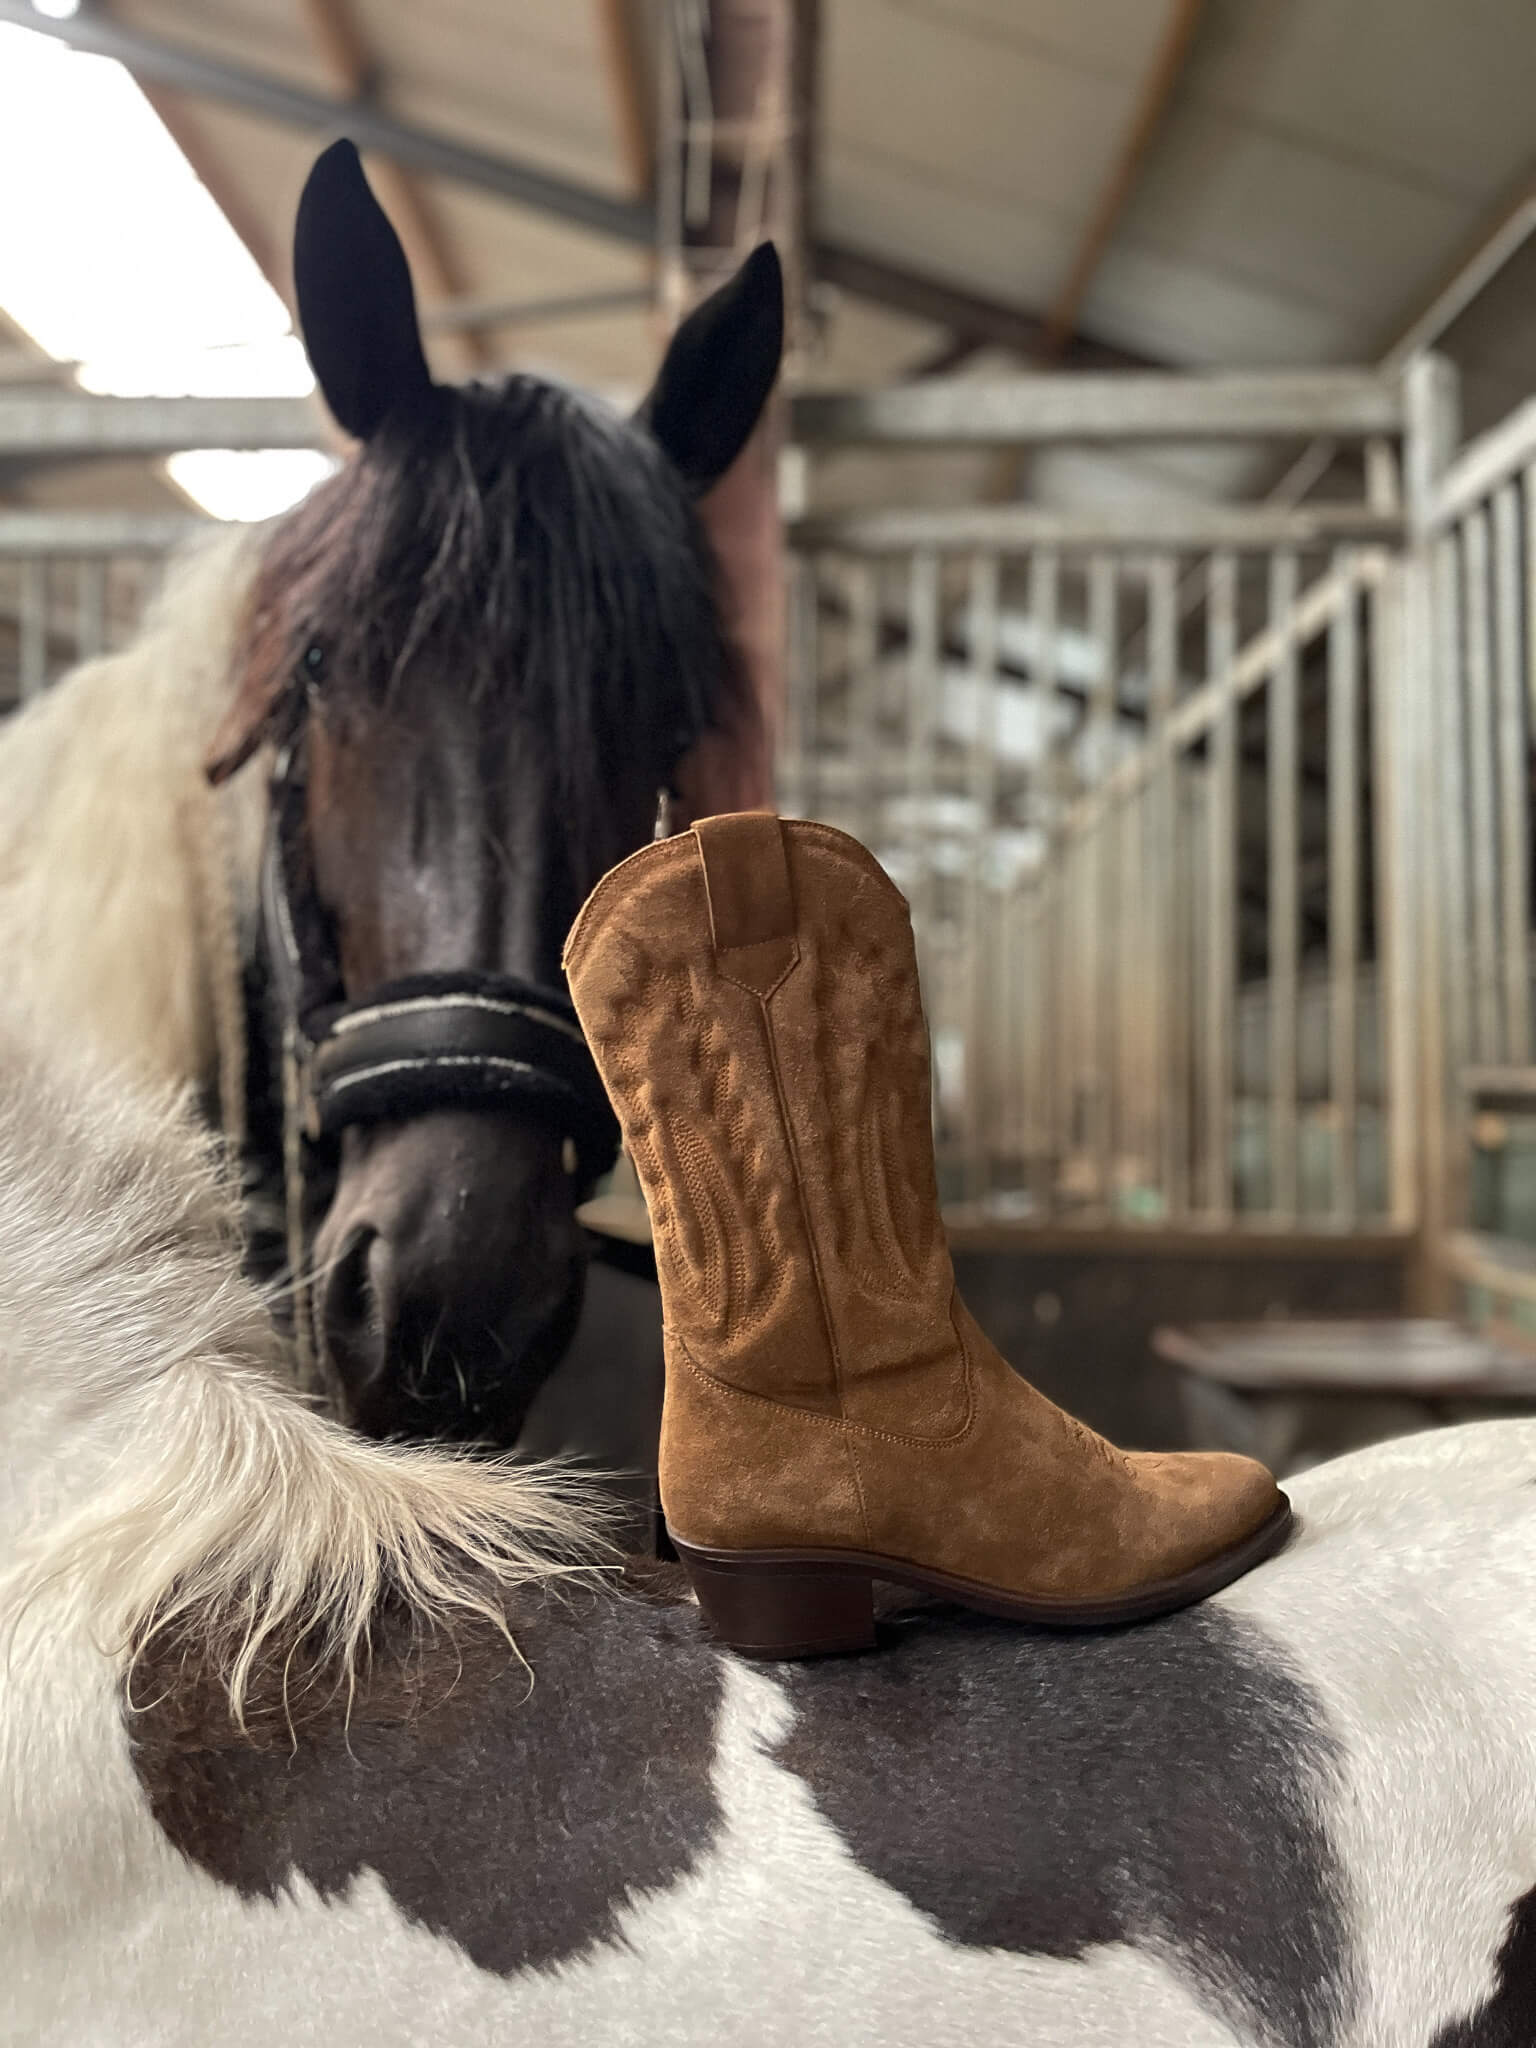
{"x": 75, "y": 581}
{"x": 73, "y": 585}
{"x": 1123, "y": 764}
{"x": 1473, "y": 586}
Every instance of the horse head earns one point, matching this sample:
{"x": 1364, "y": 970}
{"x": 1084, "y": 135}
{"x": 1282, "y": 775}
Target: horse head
{"x": 488, "y": 641}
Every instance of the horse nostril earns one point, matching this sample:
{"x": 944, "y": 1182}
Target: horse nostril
{"x": 352, "y": 1307}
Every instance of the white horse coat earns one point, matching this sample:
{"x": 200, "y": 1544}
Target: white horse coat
{"x": 127, "y": 885}
{"x": 1304, "y": 1813}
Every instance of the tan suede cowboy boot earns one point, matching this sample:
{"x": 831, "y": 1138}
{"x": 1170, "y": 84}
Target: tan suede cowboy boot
{"x": 833, "y": 1414}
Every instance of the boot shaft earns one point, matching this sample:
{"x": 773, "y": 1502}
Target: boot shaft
{"x": 749, "y": 990}
{"x": 833, "y": 1415}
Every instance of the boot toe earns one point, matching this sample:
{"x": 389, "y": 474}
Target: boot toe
{"x": 1216, "y": 1498}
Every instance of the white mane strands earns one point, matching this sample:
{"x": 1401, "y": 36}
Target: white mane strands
{"x": 225, "y": 1508}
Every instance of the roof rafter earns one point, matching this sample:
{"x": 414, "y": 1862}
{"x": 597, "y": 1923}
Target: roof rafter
{"x": 1498, "y": 238}
{"x": 634, "y": 106}
{"x": 970, "y": 317}
{"x": 1157, "y": 89}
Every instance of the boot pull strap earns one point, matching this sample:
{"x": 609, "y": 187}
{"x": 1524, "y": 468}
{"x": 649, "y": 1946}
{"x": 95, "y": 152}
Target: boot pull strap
{"x": 751, "y": 905}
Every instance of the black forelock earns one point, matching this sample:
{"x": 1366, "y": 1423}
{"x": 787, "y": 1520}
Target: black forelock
{"x": 519, "y": 538}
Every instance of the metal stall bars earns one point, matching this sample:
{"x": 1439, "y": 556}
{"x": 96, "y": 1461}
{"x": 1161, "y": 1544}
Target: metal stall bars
{"x": 73, "y": 584}
{"x": 72, "y": 580}
{"x": 1472, "y": 678}
{"x": 1085, "y": 744}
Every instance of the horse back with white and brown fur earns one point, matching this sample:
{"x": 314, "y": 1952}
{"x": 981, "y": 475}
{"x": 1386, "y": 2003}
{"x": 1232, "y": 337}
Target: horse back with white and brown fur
{"x": 309, "y": 1739}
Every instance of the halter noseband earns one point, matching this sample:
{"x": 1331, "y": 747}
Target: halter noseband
{"x": 442, "y": 1040}
{"x": 488, "y": 1041}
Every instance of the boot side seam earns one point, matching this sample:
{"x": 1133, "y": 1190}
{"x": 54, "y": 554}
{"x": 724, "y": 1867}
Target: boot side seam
{"x": 792, "y": 1145}
{"x": 842, "y": 1423}
{"x": 852, "y": 1456}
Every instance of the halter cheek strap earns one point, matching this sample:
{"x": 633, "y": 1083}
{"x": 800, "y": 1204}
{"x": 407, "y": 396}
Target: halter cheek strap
{"x": 469, "y": 1040}
{"x": 423, "y": 1042}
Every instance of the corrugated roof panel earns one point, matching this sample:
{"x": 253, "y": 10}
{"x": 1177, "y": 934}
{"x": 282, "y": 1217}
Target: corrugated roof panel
{"x": 1247, "y": 227}
{"x": 966, "y": 147}
{"x": 1319, "y": 168}
{"x": 527, "y": 81}
{"x": 1438, "y": 96}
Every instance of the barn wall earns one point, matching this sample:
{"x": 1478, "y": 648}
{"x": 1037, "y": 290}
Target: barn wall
{"x": 1077, "y": 1317}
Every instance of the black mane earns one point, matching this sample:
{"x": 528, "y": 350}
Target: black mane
{"x": 539, "y": 545}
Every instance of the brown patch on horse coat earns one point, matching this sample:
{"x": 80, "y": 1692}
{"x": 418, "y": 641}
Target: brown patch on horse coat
{"x": 516, "y": 1816}
{"x": 1507, "y": 2017}
{"x": 1048, "y": 1794}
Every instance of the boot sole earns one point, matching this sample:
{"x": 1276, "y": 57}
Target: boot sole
{"x": 820, "y": 1603}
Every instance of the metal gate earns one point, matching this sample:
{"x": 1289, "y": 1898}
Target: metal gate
{"x": 1139, "y": 772}
{"x": 1471, "y": 679}
{"x": 73, "y": 585}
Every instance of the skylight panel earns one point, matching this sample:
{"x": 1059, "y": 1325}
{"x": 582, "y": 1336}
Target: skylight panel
{"x": 117, "y": 258}
{"x": 248, "y": 483}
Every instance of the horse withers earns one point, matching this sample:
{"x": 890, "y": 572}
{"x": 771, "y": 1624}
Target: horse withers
{"x": 470, "y": 662}
{"x": 314, "y": 1740}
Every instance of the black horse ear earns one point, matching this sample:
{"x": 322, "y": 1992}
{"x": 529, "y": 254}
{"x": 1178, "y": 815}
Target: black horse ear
{"x": 716, "y": 376}
{"x": 356, "y": 305}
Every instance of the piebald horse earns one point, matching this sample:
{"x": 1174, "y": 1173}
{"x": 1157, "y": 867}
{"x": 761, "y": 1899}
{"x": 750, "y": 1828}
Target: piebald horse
{"x": 447, "y": 691}
{"x": 311, "y": 1740}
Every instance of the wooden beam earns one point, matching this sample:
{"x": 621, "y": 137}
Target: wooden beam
{"x": 1007, "y": 472}
{"x": 1038, "y": 408}
{"x": 351, "y": 66}
{"x": 31, "y": 366}
{"x": 951, "y": 354}
{"x": 500, "y": 312}
{"x": 986, "y": 322}
{"x": 79, "y": 426}
{"x": 736, "y": 110}
{"x": 1157, "y": 89}
{"x": 26, "y": 534}
{"x": 1129, "y": 525}
{"x": 1500, "y": 235}
{"x": 629, "y": 89}
{"x": 352, "y": 70}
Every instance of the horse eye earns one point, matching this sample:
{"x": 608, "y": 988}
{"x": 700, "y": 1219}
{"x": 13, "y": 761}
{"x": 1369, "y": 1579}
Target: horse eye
{"x": 313, "y": 664}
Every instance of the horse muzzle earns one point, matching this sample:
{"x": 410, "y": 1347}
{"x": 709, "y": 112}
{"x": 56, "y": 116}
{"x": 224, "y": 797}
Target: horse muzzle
{"x": 427, "y": 1321}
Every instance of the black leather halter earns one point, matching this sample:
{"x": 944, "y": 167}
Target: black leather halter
{"x": 436, "y": 1040}
{"x": 426, "y": 1042}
